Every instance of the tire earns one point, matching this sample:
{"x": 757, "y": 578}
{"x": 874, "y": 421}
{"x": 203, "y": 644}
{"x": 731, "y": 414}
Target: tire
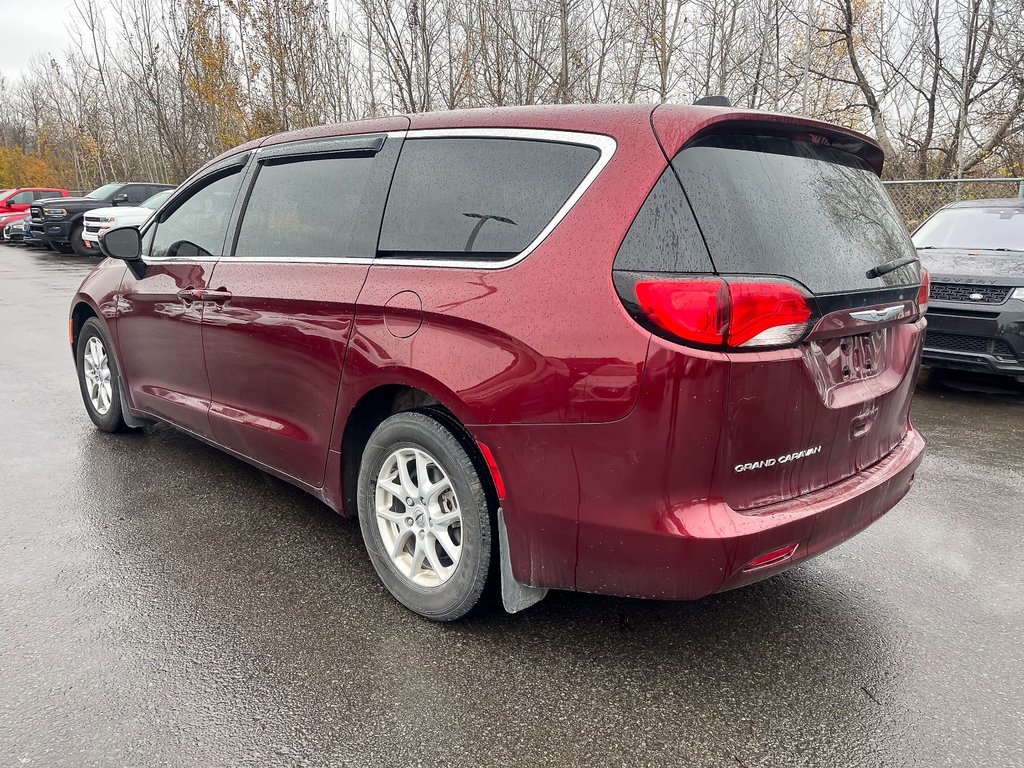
{"x": 76, "y": 242}
{"x": 454, "y": 556}
{"x": 98, "y": 378}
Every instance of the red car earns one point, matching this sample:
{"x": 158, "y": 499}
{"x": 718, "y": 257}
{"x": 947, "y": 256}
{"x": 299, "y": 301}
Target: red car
{"x": 14, "y": 203}
{"x": 648, "y": 351}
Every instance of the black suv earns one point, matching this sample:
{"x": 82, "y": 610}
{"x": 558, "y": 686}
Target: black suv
{"x": 58, "y": 220}
{"x": 974, "y": 250}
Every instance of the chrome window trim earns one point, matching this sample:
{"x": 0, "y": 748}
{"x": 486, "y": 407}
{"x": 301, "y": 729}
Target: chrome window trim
{"x": 606, "y": 146}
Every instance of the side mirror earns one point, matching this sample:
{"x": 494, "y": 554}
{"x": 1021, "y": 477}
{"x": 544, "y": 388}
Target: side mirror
{"x": 118, "y": 199}
{"x": 123, "y": 243}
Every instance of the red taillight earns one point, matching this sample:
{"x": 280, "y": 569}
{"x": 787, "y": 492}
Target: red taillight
{"x": 925, "y": 292}
{"x": 767, "y": 314}
{"x": 716, "y": 312}
{"x": 693, "y": 310}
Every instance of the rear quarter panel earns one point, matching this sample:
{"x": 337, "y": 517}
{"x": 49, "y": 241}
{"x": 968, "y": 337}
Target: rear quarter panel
{"x": 543, "y": 341}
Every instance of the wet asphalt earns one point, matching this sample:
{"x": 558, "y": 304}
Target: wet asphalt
{"x": 162, "y": 604}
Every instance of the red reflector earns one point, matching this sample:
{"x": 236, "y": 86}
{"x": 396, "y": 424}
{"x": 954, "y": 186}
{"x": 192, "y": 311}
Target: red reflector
{"x": 926, "y": 290}
{"x": 714, "y": 312}
{"x": 693, "y": 310}
{"x": 492, "y": 465}
{"x": 772, "y": 558}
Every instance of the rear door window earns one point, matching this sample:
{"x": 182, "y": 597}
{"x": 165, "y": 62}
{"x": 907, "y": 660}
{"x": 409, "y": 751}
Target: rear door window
{"x": 478, "y": 198}
{"x": 770, "y": 205}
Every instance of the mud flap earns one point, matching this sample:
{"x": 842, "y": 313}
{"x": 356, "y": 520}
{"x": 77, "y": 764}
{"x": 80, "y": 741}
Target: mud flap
{"x": 515, "y": 597}
{"x": 134, "y": 422}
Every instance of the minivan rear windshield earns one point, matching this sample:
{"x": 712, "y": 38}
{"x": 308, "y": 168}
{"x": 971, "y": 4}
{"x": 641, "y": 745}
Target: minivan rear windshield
{"x": 772, "y": 205}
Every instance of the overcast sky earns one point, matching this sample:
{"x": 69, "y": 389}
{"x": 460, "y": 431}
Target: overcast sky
{"x": 28, "y": 27}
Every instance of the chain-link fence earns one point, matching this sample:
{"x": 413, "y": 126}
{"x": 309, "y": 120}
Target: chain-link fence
{"x": 917, "y": 200}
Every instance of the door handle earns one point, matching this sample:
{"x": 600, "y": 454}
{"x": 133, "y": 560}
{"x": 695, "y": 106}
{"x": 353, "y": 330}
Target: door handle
{"x": 219, "y": 296}
{"x": 187, "y": 295}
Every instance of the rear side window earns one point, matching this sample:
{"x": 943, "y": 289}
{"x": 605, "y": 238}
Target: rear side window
{"x": 478, "y": 198}
{"x": 664, "y": 236}
{"x": 307, "y": 208}
{"x": 775, "y": 206}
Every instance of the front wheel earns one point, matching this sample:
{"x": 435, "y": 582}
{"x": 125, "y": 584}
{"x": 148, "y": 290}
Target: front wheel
{"x": 424, "y": 516}
{"x": 77, "y": 243}
{"x": 99, "y": 379}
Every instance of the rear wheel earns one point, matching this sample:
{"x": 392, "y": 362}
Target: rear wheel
{"x": 99, "y": 379}
{"x": 424, "y": 516}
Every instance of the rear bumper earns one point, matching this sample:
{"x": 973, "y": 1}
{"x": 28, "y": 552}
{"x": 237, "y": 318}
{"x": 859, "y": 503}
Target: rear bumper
{"x": 703, "y": 548}
{"x": 634, "y": 544}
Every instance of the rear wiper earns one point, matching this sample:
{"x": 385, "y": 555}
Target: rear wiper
{"x": 890, "y": 266}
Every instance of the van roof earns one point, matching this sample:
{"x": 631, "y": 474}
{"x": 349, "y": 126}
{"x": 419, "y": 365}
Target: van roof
{"x": 674, "y": 123}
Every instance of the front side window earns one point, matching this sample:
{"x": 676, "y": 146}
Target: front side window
{"x": 102, "y": 193}
{"x": 307, "y": 207}
{"x": 135, "y": 194}
{"x": 196, "y": 227}
{"x": 478, "y": 198}
{"x": 22, "y": 198}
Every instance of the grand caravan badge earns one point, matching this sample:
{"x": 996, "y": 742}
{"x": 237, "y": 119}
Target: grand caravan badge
{"x": 784, "y": 459}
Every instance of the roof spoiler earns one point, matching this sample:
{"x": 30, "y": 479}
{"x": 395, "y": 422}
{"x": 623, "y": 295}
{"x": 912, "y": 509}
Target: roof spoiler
{"x": 713, "y": 101}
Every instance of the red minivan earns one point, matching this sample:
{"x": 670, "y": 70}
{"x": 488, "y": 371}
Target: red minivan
{"x": 647, "y": 351}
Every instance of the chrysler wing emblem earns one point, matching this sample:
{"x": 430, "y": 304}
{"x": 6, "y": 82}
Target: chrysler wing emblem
{"x": 878, "y": 315}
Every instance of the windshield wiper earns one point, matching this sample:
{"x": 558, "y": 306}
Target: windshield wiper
{"x": 963, "y": 248}
{"x": 890, "y": 266}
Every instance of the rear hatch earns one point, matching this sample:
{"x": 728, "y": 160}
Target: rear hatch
{"x": 820, "y": 329}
